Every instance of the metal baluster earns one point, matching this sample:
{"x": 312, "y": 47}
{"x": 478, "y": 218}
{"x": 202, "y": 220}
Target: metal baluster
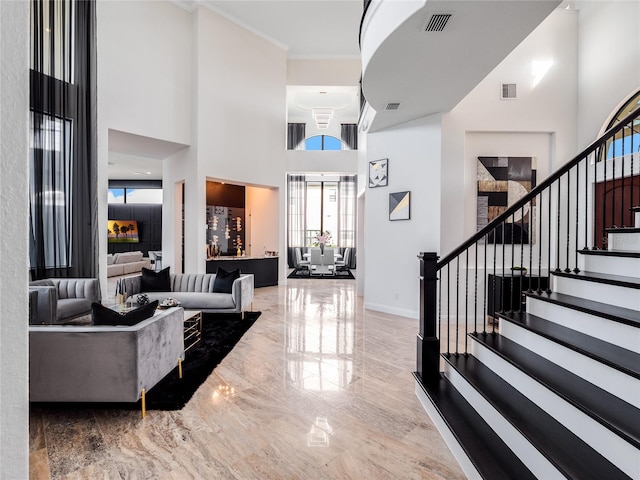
{"x": 613, "y": 185}
{"x": 558, "y": 229}
{"x": 567, "y": 269}
{"x": 486, "y": 281}
{"x": 595, "y": 180}
{"x": 493, "y": 291}
{"x": 586, "y": 202}
{"x": 503, "y": 266}
{"x": 622, "y": 178}
{"x": 466, "y": 301}
{"x": 448, "y": 311}
{"x": 513, "y": 231}
{"x": 440, "y": 307}
{"x": 604, "y": 205}
{"x": 457, "y": 302}
{"x": 475, "y": 296}
{"x": 576, "y": 269}
{"x": 540, "y": 243}
{"x": 549, "y": 242}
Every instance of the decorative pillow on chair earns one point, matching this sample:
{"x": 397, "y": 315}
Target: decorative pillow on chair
{"x": 102, "y": 315}
{"x": 155, "y": 281}
{"x": 224, "y": 280}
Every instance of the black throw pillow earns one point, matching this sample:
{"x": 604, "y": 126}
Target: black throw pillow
{"x": 224, "y": 280}
{"x": 155, "y": 281}
{"x": 102, "y": 315}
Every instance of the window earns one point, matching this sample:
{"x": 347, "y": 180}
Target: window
{"x": 322, "y": 211}
{"x": 323, "y": 142}
{"x": 625, "y": 141}
{"x": 135, "y": 195}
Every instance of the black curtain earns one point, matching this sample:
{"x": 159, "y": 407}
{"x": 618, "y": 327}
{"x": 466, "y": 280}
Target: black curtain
{"x": 63, "y": 177}
{"x": 349, "y": 135}
{"x": 296, "y": 215}
{"x": 295, "y": 135}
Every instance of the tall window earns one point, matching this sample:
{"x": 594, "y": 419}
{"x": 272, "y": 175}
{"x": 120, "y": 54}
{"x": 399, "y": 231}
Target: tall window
{"x": 63, "y": 201}
{"x": 323, "y": 142}
{"x": 627, "y": 140}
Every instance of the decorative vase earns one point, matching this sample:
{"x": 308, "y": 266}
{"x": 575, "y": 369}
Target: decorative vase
{"x": 322, "y": 248}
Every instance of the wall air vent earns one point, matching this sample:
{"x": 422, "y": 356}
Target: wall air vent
{"x": 508, "y": 91}
{"x": 437, "y": 22}
{"x": 392, "y": 106}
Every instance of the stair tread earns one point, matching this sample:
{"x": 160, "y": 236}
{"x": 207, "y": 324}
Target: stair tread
{"x": 611, "y": 253}
{"x": 612, "y": 412}
{"x": 604, "y": 310}
{"x": 622, "y": 230}
{"x": 619, "y": 280}
{"x": 572, "y": 456}
{"x": 486, "y": 450}
{"x": 612, "y": 355}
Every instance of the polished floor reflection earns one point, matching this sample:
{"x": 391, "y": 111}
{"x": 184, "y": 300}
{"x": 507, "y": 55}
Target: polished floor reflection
{"x": 318, "y": 388}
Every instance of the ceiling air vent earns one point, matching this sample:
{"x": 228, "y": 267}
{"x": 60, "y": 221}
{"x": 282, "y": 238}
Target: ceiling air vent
{"x": 392, "y": 106}
{"x": 437, "y": 22}
{"x": 508, "y": 91}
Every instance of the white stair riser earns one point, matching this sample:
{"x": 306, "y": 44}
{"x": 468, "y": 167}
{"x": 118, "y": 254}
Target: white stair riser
{"x": 624, "y": 336}
{"x": 624, "y": 241}
{"x": 614, "y": 381}
{"x": 526, "y": 452}
{"x": 637, "y": 222}
{"x": 608, "y": 444}
{"x": 627, "y": 266}
{"x": 598, "y": 292}
{"x": 458, "y": 452}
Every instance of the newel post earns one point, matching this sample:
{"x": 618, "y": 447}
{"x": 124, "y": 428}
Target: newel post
{"x": 428, "y": 351}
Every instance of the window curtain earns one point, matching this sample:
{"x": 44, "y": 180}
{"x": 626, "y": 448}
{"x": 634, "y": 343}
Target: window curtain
{"x": 349, "y": 135}
{"x": 347, "y": 216}
{"x": 295, "y": 136}
{"x": 63, "y": 200}
{"x": 296, "y": 215}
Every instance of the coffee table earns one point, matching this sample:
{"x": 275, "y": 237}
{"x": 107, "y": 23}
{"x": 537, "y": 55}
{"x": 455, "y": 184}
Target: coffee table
{"x": 192, "y": 328}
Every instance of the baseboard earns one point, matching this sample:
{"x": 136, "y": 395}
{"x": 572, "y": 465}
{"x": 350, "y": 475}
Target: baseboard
{"x": 403, "y": 312}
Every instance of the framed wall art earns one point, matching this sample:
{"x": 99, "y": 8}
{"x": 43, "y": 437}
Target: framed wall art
{"x": 379, "y": 173}
{"x": 400, "y": 206}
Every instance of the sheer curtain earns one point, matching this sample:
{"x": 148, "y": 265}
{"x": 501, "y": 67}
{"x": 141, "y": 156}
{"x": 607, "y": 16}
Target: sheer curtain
{"x": 295, "y": 136}
{"x": 296, "y": 215}
{"x": 349, "y": 135}
{"x": 347, "y": 216}
{"x": 63, "y": 200}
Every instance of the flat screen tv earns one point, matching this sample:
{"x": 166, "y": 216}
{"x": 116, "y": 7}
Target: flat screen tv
{"x": 123, "y": 231}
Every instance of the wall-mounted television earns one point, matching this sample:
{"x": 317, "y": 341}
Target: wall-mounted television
{"x": 123, "y": 231}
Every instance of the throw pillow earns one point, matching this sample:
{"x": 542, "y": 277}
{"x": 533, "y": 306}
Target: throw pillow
{"x": 102, "y": 315}
{"x": 224, "y": 280}
{"x": 155, "y": 281}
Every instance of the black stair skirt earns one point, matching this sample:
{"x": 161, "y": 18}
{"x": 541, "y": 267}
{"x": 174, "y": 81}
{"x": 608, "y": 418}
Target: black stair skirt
{"x": 616, "y": 357}
{"x": 568, "y": 453}
{"x": 615, "y": 414}
{"x": 604, "y": 310}
{"x": 485, "y": 449}
{"x": 617, "y": 280}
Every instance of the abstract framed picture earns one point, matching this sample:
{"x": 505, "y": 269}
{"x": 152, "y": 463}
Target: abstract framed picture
{"x": 400, "y": 206}
{"x": 379, "y": 173}
{"x": 502, "y": 181}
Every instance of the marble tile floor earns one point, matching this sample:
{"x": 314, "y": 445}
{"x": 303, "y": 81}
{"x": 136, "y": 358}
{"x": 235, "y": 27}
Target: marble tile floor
{"x": 318, "y": 388}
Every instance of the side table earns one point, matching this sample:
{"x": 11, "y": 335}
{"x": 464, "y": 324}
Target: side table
{"x": 192, "y": 328}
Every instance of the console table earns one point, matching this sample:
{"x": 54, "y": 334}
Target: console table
{"x": 264, "y": 269}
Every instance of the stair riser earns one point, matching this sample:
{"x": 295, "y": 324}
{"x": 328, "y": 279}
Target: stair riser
{"x": 614, "y": 381}
{"x": 527, "y": 453}
{"x": 637, "y": 222}
{"x": 458, "y": 452}
{"x": 627, "y": 266}
{"x": 624, "y": 241}
{"x": 598, "y": 292}
{"x": 624, "y": 336}
{"x": 608, "y": 444}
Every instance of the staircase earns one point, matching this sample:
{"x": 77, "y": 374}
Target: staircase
{"x": 552, "y": 389}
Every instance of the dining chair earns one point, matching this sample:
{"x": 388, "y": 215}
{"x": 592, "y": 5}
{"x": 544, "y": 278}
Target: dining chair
{"x": 316, "y": 256}
{"x": 344, "y": 263}
{"x": 329, "y": 258}
{"x": 299, "y": 261}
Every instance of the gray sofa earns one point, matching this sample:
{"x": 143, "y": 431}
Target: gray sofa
{"x": 58, "y": 300}
{"x": 194, "y": 291}
{"x": 103, "y": 363}
{"x": 125, "y": 263}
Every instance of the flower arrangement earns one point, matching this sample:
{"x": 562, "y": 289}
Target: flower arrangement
{"x": 323, "y": 238}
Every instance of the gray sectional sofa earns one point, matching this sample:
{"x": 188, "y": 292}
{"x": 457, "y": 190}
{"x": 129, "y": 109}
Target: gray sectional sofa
{"x": 195, "y": 291}
{"x": 58, "y": 300}
{"x": 125, "y": 263}
{"x": 103, "y": 363}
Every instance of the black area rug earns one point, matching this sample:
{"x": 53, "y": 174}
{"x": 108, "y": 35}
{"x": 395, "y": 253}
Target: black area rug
{"x": 305, "y": 273}
{"x": 220, "y": 333}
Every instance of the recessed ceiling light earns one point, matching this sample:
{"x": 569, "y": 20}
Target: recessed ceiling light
{"x": 322, "y": 93}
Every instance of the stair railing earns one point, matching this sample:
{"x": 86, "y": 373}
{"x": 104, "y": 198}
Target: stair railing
{"x": 541, "y": 233}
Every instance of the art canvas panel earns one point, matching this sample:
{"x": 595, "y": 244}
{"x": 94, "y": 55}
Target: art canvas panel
{"x": 400, "y": 206}
{"x": 502, "y": 181}
{"x": 379, "y": 173}
{"x": 122, "y": 231}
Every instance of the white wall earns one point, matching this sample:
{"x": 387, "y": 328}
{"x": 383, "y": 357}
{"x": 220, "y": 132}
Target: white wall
{"x": 609, "y": 62}
{"x": 391, "y": 264}
{"x": 14, "y": 254}
{"x": 322, "y": 161}
{"x": 337, "y": 72}
{"x": 261, "y": 214}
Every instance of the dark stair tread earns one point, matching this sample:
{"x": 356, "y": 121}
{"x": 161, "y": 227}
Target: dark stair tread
{"x": 485, "y": 449}
{"x": 618, "y": 280}
{"x": 612, "y": 355}
{"x": 615, "y": 414}
{"x": 635, "y": 208}
{"x": 622, "y": 230}
{"x": 567, "y": 452}
{"x": 611, "y": 253}
{"x": 604, "y": 310}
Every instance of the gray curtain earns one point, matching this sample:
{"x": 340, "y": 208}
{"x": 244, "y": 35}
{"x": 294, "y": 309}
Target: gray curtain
{"x": 295, "y": 136}
{"x": 349, "y": 135}
{"x": 296, "y": 215}
{"x": 347, "y": 216}
{"x": 63, "y": 199}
